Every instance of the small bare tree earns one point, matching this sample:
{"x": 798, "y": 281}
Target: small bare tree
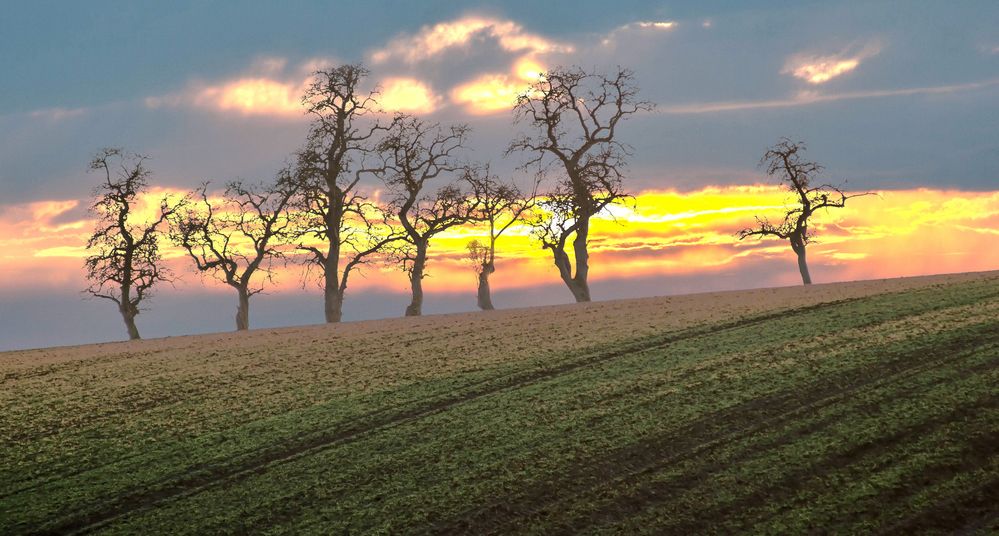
{"x": 126, "y": 263}
{"x": 238, "y": 237}
{"x": 784, "y": 161}
{"x": 500, "y": 205}
{"x": 575, "y": 117}
{"x": 415, "y": 153}
{"x": 335, "y": 211}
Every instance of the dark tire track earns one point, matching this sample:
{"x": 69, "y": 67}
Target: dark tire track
{"x": 203, "y": 477}
{"x": 694, "y": 439}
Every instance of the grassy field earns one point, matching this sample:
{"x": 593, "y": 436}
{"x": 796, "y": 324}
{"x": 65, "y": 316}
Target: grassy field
{"x": 862, "y": 407}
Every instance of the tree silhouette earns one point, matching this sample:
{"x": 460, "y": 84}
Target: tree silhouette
{"x": 330, "y": 168}
{"x": 126, "y": 263}
{"x": 415, "y": 153}
{"x": 237, "y": 237}
{"x": 784, "y": 161}
{"x": 499, "y": 205}
{"x": 575, "y": 116}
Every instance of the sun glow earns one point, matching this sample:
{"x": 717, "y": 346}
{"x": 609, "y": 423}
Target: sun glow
{"x": 407, "y": 95}
{"x": 431, "y": 41}
{"x": 498, "y": 92}
{"x": 819, "y": 69}
{"x": 664, "y": 233}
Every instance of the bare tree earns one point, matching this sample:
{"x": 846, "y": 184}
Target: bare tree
{"x": 500, "y": 205}
{"x": 415, "y": 153}
{"x": 126, "y": 262}
{"x": 575, "y": 117}
{"x": 334, "y": 210}
{"x": 238, "y": 237}
{"x": 784, "y": 161}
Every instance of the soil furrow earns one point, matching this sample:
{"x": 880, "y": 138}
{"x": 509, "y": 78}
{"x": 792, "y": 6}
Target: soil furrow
{"x": 694, "y": 439}
{"x": 150, "y": 495}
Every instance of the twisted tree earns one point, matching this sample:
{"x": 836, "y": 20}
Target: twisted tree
{"x": 334, "y": 210}
{"x": 238, "y": 237}
{"x": 415, "y": 153}
{"x": 499, "y": 205}
{"x": 125, "y": 264}
{"x": 575, "y": 116}
{"x": 784, "y": 161}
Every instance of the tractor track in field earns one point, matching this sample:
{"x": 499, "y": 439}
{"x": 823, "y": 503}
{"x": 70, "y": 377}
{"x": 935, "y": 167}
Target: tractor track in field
{"x": 203, "y": 477}
{"x": 834, "y": 459}
{"x": 210, "y": 476}
{"x": 975, "y": 511}
{"x": 693, "y": 439}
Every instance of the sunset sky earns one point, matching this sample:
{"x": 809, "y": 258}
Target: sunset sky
{"x": 900, "y": 98}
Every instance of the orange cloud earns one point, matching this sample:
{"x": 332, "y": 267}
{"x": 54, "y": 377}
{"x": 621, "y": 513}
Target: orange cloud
{"x": 665, "y": 233}
{"x": 492, "y": 93}
{"x": 264, "y": 91}
{"x": 433, "y": 40}
{"x": 253, "y": 96}
{"x": 408, "y": 95}
{"x": 816, "y": 69}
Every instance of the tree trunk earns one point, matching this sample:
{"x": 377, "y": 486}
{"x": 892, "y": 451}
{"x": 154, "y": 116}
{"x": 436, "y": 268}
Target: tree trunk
{"x": 576, "y": 285}
{"x": 798, "y": 246}
{"x": 580, "y": 288}
{"x": 332, "y": 297}
{"x": 415, "y": 307}
{"x": 243, "y": 311}
{"x": 129, "y": 318}
{"x": 803, "y": 267}
{"x": 485, "y": 299}
{"x": 333, "y": 305}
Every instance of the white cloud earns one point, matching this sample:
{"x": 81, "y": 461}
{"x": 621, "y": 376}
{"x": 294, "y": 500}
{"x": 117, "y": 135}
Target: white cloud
{"x": 819, "y": 69}
{"x": 806, "y": 98}
{"x": 268, "y": 87}
{"x": 433, "y": 40}
{"x": 662, "y": 25}
{"x": 57, "y": 114}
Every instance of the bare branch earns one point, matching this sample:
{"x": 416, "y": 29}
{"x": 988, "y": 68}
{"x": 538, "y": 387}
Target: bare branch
{"x": 574, "y": 116}
{"x": 785, "y": 162}
{"x": 125, "y": 264}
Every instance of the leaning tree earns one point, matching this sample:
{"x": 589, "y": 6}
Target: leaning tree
{"x": 500, "y": 204}
{"x": 575, "y": 117}
{"x": 239, "y": 236}
{"x": 414, "y": 154}
{"x": 348, "y": 228}
{"x": 784, "y": 161}
{"x": 125, "y": 263}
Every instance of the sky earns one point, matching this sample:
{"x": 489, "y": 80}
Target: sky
{"x": 901, "y": 98}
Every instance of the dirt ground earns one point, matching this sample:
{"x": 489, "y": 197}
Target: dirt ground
{"x": 562, "y": 327}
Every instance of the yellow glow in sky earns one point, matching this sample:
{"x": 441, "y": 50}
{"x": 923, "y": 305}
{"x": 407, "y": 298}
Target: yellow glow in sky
{"x": 407, "y": 95}
{"x": 665, "y": 233}
{"x": 254, "y": 96}
{"x": 817, "y": 73}
{"x": 497, "y": 92}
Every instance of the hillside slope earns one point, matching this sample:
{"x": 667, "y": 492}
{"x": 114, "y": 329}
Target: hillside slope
{"x": 857, "y": 406}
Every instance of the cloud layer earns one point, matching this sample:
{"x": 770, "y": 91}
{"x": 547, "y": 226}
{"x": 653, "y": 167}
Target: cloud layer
{"x": 819, "y": 69}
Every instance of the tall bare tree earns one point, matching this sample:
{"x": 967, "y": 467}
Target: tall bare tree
{"x": 784, "y": 161}
{"x": 575, "y": 117}
{"x": 330, "y": 169}
{"x": 499, "y": 205}
{"x": 238, "y": 237}
{"x": 415, "y": 153}
{"x": 125, "y": 264}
